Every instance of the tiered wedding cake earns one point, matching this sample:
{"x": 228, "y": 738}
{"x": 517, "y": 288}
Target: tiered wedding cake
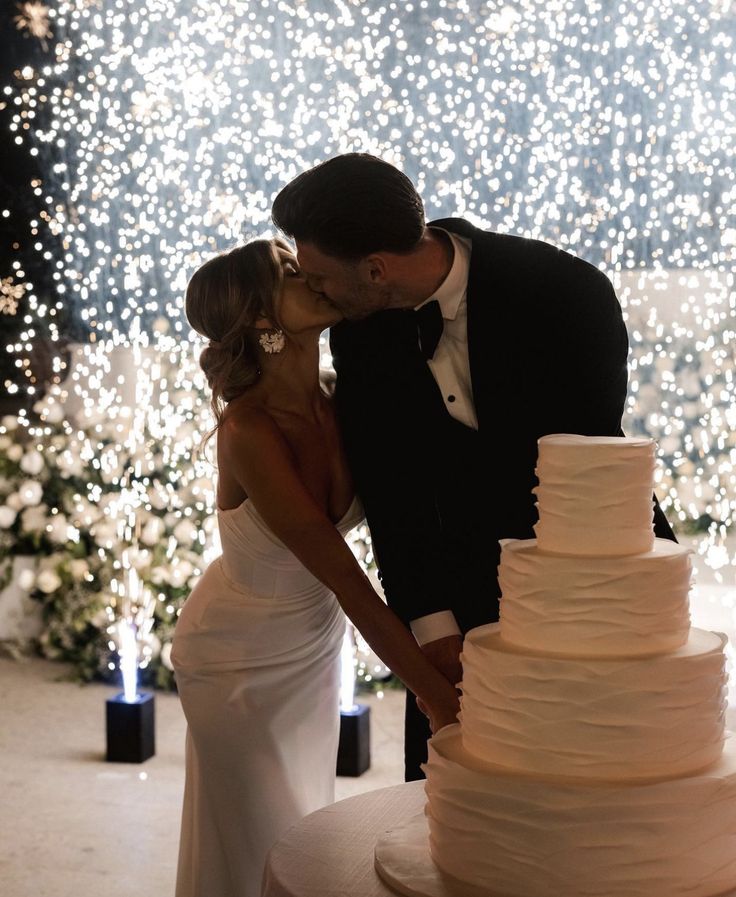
{"x": 590, "y": 755}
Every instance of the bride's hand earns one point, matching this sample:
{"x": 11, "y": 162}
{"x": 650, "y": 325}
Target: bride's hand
{"x": 442, "y": 710}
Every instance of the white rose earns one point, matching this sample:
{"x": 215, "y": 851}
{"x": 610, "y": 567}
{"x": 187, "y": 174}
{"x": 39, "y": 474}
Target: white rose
{"x": 180, "y": 573}
{"x": 14, "y": 501}
{"x": 32, "y": 462}
{"x": 139, "y": 558}
{"x": 30, "y": 492}
{"x": 158, "y": 576}
{"x": 159, "y": 499}
{"x": 85, "y": 513}
{"x": 33, "y": 520}
{"x": 161, "y": 325}
{"x": 15, "y": 453}
{"x": 7, "y": 516}
{"x": 26, "y": 580}
{"x": 104, "y": 532}
{"x": 58, "y": 528}
{"x": 10, "y": 422}
{"x": 186, "y": 567}
{"x": 5, "y": 441}
{"x": 54, "y": 413}
{"x": 70, "y": 464}
{"x": 48, "y": 581}
{"x": 153, "y": 531}
{"x": 78, "y": 568}
{"x": 185, "y": 531}
{"x": 50, "y": 410}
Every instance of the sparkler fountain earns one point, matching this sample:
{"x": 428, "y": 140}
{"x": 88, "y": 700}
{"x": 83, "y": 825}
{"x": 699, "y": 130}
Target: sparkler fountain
{"x": 130, "y": 715}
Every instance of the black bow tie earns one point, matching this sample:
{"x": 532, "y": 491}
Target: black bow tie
{"x": 429, "y": 325}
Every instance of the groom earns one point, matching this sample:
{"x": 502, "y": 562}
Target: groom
{"x": 459, "y": 349}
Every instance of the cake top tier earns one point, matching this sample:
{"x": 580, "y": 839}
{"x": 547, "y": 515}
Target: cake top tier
{"x": 568, "y": 442}
{"x": 595, "y": 494}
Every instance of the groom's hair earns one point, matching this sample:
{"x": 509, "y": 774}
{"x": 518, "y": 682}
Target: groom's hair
{"x": 351, "y": 206}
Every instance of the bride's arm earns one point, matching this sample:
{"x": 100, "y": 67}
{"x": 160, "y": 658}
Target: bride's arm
{"x": 262, "y": 462}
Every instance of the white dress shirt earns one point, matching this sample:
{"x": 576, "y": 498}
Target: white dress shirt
{"x": 450, "y": 367}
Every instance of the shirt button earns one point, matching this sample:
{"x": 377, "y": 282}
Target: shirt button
{"x": 451, "y": 398}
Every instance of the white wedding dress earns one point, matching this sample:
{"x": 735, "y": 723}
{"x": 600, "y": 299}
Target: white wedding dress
{"x": 256, "y": 653}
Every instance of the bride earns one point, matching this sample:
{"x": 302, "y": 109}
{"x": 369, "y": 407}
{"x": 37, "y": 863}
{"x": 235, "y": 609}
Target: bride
{"x": 256, "y": 648}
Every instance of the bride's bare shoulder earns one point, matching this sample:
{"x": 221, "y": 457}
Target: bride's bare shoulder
{"x": 246, "y": 423}
{"x": 245, "y": 416}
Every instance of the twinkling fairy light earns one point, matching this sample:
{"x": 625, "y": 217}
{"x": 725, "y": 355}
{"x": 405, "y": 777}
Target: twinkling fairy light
{"x": 165, "y": 130}
{"x": 168, "y": 127}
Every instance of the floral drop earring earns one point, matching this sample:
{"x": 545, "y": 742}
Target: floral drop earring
{"x": 272, "y": 341}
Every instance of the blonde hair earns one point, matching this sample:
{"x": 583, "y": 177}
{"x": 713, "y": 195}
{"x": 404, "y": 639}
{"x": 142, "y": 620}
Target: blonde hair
{"x": 224, "y": 298}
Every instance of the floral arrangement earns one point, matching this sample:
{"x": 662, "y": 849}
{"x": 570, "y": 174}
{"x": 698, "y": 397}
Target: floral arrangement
{"x": 62, "y": 481}
{"x": 69, "y": 476}
{"x": 682, "y": 393}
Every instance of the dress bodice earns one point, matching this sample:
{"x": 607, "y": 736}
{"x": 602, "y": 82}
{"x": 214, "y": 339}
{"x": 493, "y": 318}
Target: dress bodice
{"x": 254, "y": 559}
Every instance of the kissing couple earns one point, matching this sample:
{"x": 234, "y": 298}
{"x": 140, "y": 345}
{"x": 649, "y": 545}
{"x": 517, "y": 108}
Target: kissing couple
{"x": 455, "y": 350}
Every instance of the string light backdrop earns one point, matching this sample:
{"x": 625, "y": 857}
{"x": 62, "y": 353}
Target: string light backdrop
{"x": 166, "y": 129}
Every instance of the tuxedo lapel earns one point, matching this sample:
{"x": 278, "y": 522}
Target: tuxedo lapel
{"x": 409, "y": 392}
{"x": 483, "y": 308}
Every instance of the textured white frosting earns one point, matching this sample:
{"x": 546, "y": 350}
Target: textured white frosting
{"x": 595, "y": 606}
{"x": 619, "y": 719}
{"x": 589, "y": 760}
{"x": 522, "y": 836}
{"x": 595, "y": 494}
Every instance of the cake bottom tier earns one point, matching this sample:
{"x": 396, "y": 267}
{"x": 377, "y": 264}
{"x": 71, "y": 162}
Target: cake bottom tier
{"x": 525, "y": 836}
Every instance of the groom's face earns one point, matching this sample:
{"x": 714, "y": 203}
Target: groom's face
{"x": 350, "y": 286}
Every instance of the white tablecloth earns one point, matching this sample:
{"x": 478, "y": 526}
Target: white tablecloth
{"x": 330, "y": 852}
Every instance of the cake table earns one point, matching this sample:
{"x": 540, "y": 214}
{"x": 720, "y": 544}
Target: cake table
{"x": 330, "y": 853}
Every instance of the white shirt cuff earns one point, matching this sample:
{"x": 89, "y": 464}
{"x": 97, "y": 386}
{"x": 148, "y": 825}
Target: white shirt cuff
{"x": 434, "y": 626}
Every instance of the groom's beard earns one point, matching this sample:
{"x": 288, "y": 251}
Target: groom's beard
{"x": 362, "y": 302}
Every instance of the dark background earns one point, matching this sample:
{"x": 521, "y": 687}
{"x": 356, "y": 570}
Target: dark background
{"x": 17, "y": 171}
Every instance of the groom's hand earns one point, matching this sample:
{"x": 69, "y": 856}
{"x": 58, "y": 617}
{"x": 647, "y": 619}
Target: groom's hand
{"x": 444, "y": 655}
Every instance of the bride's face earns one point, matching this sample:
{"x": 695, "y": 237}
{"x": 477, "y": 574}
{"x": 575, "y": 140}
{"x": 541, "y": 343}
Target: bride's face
{"x": 301, "y": 309}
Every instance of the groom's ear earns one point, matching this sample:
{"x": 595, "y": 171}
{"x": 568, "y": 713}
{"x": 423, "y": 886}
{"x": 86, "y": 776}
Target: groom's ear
{"x": 373, "y": 268}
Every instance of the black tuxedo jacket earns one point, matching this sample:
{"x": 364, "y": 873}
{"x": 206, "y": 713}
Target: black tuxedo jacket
{"x": 548, "y": 354}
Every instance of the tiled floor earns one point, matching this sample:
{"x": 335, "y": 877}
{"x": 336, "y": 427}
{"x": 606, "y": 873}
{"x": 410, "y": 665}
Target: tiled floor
{"x": 72, "y": 825}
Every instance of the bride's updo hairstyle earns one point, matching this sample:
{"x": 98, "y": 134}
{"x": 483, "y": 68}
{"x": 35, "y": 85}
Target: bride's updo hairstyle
{"x": 224, "y": 298}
